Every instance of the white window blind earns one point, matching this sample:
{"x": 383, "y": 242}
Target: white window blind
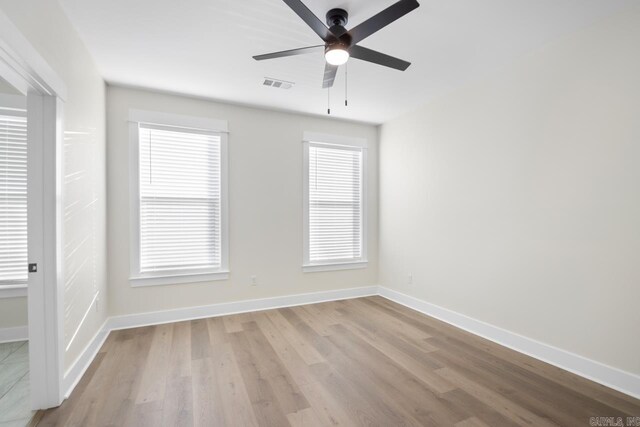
{"x": 180, "y": 200}
{"x": 335, "y": 210}
{"x": 13, "y": 197}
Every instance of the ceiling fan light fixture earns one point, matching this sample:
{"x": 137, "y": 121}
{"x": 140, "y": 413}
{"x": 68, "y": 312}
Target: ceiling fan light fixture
{"x": 339, "y": 43}
{"x": 336, "y": 55}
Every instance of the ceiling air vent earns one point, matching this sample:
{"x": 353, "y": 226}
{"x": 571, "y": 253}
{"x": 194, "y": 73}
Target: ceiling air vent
{"x": 278, "y": 84}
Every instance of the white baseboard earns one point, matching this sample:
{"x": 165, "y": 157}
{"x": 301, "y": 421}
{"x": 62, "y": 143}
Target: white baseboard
{"x": 17, "y": 333}
{"x": 191, "y": 313}
{"x": 81, "y": 364}
{"x": 614, "y": 378}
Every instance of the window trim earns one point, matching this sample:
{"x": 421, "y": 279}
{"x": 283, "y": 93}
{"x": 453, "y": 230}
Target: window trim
{"x": 13, "y": 291}
{"x": 162, "y": 278}
{"x": 347, "y": 143}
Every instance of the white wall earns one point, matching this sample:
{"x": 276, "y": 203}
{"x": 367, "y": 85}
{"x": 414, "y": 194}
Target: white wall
{"x": 516, "y": 200}
{"x": 265, "y": 204}
{"x": 13, "y": 312}
{"x": 46, "y": 27}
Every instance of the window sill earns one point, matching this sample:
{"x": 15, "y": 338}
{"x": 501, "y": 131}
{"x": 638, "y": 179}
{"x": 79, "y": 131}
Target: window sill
{"x": 313, "y": 268}
{"x": 13, "y": 291}
{"x": 144, "y": 281}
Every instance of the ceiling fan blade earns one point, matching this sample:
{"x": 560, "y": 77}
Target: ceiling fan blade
{"x": 364, "y": 54}
{"x": 329, "y": 75}
{"x": 310, "y": 19}
{"x": 382, "y": 19}
{"x": 291, "y": 52}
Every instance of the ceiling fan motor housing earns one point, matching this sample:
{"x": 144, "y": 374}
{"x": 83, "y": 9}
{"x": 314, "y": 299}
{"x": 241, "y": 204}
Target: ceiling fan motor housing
{"x": 337, "y": 19}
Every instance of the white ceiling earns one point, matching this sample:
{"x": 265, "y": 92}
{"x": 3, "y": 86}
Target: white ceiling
{"x": 204, "y": 47}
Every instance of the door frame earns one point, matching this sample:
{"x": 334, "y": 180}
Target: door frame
{"x": 23, "y": 67}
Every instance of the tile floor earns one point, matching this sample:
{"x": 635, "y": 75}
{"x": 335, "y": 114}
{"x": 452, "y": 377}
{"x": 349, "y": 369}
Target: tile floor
{"x": 14, "y": 384}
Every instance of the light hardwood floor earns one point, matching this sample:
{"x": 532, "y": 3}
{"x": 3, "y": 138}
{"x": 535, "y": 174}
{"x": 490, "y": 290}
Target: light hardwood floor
{"x": 366, "y": 361}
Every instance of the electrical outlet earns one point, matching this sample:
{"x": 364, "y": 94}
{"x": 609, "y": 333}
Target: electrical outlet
{"x": 254, "y": 280}
{"x": 410, "y": 278}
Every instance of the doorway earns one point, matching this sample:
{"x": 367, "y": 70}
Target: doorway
{"x": 31, "y": 220}
{"x": 15, "y": 408}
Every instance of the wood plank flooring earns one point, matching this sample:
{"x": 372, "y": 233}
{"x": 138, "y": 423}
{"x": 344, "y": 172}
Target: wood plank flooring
{"x": 365, "y": 361}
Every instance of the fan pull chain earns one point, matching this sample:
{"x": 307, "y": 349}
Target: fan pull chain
{"x": 346, "y": 75}
{"x": 329, "y": 100}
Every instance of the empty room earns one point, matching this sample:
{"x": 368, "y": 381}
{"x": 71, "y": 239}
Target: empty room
{"x": 319, "y": 213}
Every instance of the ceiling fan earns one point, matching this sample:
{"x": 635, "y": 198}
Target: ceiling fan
{"x": 340, "y": 43}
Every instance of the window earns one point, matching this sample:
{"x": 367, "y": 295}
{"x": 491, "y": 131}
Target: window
{"x": 334, "y": 203}
{"x": 180, "y": 232}
{"x": 13, "y": 195}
